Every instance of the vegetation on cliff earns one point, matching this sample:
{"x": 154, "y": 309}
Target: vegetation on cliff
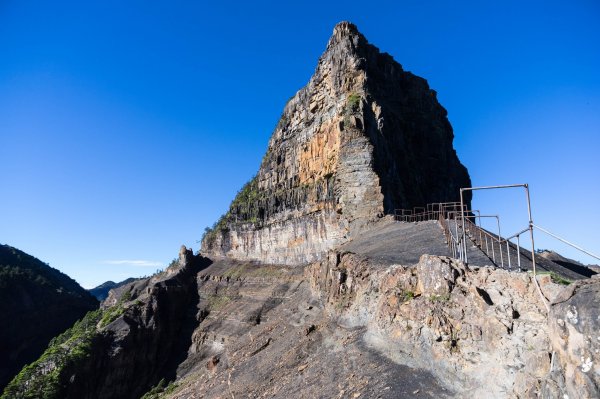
{"x": 243, "y": 209}
{"x": 57, "y": 367}
{"x": 38, "y": 302}
{"x": 46, "y": 377}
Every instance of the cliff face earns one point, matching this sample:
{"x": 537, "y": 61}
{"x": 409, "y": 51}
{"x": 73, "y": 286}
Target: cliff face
{"x": 37, "y": 303}
{"x": 363, "y": 138}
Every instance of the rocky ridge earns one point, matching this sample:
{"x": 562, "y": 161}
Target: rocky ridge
{"x": 363, "y": 138}
{"x": 37, "y": 302}
{"x": 346, "y": 326}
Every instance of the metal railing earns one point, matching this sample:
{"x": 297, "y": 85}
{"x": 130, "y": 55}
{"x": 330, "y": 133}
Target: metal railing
{"x": 442, "y": 212}
{"x": 490, "y": 244}
{"x": 453, "y": 240}
{"x": 566, "y": 242}
{"x": 428, "y": 212}
{"x": 494, "y": 244}
{"x": 459, "y": 225}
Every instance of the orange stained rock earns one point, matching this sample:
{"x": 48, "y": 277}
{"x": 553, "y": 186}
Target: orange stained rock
{"x": 319, "y": 156}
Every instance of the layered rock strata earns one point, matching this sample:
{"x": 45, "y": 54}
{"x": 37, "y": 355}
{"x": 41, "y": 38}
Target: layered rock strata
{"x": 363, "y": 138}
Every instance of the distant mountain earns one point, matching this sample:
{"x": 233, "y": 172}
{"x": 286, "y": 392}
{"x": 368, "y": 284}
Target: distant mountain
{"x": 37, "y": 302}
{"x": 101, "y": 291}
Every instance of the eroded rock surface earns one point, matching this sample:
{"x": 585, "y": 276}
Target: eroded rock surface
{"x": 574, "y": 323}
{"x": 482, "y": 331}
{"x": 363, "y": 138}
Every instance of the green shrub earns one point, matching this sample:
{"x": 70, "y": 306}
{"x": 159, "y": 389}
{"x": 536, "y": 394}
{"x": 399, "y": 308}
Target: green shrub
{"x": 160, "y": 389}
{"x": 243, "y": 209}
{"x": 353, "y": 102}
{"x": 406, "y": 296}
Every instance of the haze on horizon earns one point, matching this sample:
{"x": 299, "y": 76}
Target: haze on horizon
{"x": 125, "y": 129}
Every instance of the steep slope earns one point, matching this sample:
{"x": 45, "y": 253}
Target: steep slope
{"x": 101, "y": 292}
{"x": 37, "y": 303}
{"x": 363, "y": 138}
{"x": 123, "y": 349}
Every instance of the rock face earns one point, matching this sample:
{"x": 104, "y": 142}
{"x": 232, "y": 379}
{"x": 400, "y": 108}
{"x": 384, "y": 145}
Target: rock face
{"x": 574, "y": 322}
{"x": 363, "y": 138}
{"x": 472, "y": 326}
{"x": 37, "y": 303}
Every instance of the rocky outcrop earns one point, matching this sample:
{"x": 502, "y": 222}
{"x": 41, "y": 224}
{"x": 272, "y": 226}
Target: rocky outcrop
{"x": 570, "y": 264}
{"x": 574, "y": 323}
{"x": 362, "y": 138}
{"x": 37, "y": 302}
{"x": 483, "y": 332}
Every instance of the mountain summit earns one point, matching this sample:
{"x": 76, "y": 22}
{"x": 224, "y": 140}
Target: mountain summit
{"x": 362, "y": 138}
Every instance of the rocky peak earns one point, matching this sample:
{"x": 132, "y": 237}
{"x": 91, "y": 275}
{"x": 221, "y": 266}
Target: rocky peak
{"x": 362, "y": 138}
{"x": 343, "y": 30}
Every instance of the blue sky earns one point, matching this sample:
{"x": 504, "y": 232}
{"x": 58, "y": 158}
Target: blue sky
{"x": 127, "y": 127}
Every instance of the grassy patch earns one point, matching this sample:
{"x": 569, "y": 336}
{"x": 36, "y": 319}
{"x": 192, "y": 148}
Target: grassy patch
{"x": 440, "y": 298}
{"x": 253, "y": 271}
{"x": 406, "y": 296}
{"x": 353, "y": 103}
{"x": 556, "y": 278}
{"x": 160, "y": 390}
{"x": 217, "y": 301}
{"x": 111, "y": 314}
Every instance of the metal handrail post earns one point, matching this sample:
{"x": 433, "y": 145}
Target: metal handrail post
{"x": 508, "y": 254}
{"x": 519, "y": 251}
{"x": 530, "y": 229}
{"x": 500, "y": 242}
{"x": 462, "y": 217}
{"x": 537, "y": 284}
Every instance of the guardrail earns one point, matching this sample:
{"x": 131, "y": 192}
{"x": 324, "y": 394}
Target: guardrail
{"x": 499, "y": 250}
{"x": 490, "y": 244}
{"x": 428, "y": 212}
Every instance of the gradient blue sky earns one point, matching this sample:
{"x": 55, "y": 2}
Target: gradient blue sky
{"x": 127, "y": 127}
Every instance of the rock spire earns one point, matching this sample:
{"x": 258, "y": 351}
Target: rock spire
{"x": 361, "y": 139}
